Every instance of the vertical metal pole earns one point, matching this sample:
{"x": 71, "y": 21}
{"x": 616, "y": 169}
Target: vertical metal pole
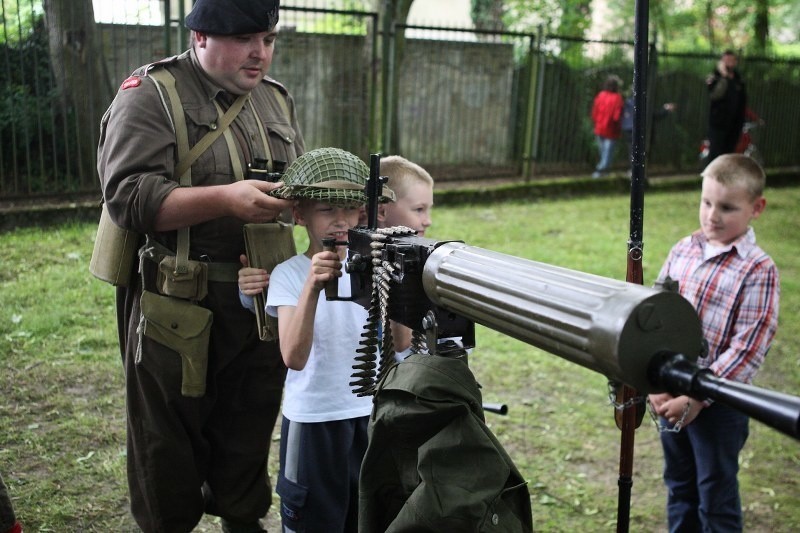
{"x": 534, "y": 58}
{"x": 374, "y": 143}
{"x": 391, "y": 104}
{"x": 537, "y": 125}
{"x": 182, "y": 40}
{"x": 167, "y": 28}
{"x": 635, "y": 247}
{"x": 387, "y": 69}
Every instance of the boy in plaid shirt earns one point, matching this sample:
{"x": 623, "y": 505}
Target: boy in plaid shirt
{"x": 733, "y": 285}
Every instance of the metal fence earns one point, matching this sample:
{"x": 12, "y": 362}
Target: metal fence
{"x": 463, "y": 103}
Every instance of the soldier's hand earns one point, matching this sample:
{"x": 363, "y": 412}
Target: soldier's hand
{"x": 252, "y": 204}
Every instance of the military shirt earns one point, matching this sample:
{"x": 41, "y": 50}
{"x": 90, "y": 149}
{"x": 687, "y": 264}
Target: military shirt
{"x": 137, "y": 152}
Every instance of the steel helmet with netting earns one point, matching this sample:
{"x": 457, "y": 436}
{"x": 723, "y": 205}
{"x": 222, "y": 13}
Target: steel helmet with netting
{"x": 328, "y": 175}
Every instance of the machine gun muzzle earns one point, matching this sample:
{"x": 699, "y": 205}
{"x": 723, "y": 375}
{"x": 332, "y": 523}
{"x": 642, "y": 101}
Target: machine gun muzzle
{"x": 680, "y": 376}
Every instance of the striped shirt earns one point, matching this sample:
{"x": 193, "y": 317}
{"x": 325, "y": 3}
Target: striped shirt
{"x": 735, "y": 292}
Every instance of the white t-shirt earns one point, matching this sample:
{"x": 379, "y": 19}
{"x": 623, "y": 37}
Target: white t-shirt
{"x": 321, "y": 391}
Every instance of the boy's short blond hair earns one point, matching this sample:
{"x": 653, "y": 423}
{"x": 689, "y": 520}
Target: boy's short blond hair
{"x": 737, "y": 169}
{"x": 402, "y": 174}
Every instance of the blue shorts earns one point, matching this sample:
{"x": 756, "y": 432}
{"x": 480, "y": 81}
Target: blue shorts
{"x": 320, "y": 464}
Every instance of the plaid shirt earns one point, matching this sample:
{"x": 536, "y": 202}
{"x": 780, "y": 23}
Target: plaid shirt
{"x": 736, "y": 295}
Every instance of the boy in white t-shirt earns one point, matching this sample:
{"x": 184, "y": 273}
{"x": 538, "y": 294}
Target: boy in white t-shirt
{"x": 324, "y": 428}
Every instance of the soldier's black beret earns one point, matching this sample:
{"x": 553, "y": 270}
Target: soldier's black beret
{"x": 232, "y": 17}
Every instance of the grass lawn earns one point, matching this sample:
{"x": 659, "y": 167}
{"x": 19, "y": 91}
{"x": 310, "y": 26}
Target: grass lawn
{"x": 62, "y": 413}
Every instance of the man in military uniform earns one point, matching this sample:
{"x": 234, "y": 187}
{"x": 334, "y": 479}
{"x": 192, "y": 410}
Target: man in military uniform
{"x": 199, "y": 427}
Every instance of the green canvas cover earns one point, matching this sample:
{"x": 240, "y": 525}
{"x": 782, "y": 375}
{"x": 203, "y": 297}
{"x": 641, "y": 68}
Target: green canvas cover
{"x": 432, "y": 464}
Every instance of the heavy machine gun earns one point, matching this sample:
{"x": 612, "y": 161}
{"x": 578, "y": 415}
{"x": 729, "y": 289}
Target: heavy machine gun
{"x": 643, "y": 337}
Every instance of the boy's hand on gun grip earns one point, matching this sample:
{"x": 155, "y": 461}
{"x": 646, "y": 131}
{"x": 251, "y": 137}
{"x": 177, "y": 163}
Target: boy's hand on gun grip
{"x": 325, "y": 266}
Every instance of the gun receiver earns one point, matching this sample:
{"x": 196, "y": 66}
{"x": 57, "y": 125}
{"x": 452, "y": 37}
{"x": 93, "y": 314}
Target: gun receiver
{"x": 643, "y": 337}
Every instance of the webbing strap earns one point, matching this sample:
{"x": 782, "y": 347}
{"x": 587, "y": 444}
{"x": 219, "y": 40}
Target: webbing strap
{"x": 238, "y": 171}
{"x": 236, "y": 163}
{"x": 187, "y": 156}
{"x": 221, "y": 127}
{"x": 167, "y": 80}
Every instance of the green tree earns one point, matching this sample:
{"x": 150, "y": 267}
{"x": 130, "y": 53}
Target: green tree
{"x": 758, "y": 27}
{"x": 488, "y": 14}
{"x": 391, "y": 13}
{"x": 565, "y": 17}
{"x": 18, "y": 20}
{"x": 761, "y": 25}
{"x": 568, "y": 18}
{"x": 338, "y": 23}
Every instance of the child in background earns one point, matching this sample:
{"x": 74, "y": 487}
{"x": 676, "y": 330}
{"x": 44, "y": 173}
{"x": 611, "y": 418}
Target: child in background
{"x": 413, "y": 189}
{"x": 606, "y": 116}
{"x": 733, "y": 285}
{"x": 324, "y": 427}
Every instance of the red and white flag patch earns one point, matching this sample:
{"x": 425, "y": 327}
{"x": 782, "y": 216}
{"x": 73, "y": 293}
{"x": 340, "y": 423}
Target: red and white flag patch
{"x": 133, "y": 81}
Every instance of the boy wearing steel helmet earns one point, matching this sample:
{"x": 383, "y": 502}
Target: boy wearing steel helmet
{"x": 324, "y": 428}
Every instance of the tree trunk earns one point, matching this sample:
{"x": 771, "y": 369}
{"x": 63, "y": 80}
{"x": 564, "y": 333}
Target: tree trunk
{"x": 77, "y": 63}
{"x": 710, "y": 23}
{"x": 391, "y": 12}
{"x": 761, "y": 25}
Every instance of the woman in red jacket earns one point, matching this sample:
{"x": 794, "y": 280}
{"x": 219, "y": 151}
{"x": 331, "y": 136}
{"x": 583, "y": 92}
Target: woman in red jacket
{"x": 607, "y": 116}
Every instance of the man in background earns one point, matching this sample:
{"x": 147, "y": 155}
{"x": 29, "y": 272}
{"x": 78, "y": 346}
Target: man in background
{"x": 728, "y": 100}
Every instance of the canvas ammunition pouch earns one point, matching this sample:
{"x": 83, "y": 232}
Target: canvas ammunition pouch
{"x": 114, "y": 252}
{"x": 184, "y": 328}
{"x": 189, "y": 282}
{"x": 181, "y": 277}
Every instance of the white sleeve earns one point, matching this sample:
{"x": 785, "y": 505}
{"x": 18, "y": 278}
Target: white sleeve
{"x": 248, "y": 302}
